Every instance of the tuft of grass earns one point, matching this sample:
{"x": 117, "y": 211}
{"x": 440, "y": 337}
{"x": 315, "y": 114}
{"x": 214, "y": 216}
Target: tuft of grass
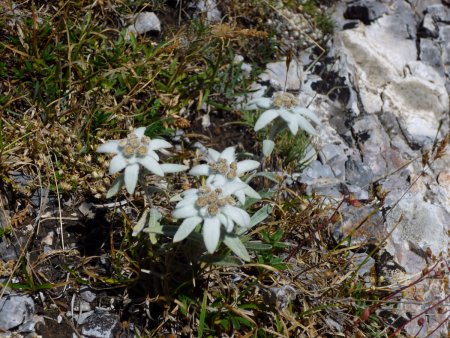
{"x": 293, "y": 150}
{"x": 320, "y": 18}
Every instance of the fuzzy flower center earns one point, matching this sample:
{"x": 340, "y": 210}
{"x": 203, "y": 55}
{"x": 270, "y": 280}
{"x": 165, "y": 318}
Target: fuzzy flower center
{"x": 284, "y": 100}
{"x": 133, "y": 145}
{"x": 213, "y": 200}
{"x": 225, "y": 169}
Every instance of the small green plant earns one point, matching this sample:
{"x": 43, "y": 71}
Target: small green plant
{"x": 295, "y": 151}
{"x": 320, "y": 19}
{"x": 271, "y": 257}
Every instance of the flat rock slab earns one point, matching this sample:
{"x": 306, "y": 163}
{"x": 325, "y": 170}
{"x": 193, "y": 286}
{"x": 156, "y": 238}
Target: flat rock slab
{"x": 15, "y": 310}
{"x": 101, "y": 324}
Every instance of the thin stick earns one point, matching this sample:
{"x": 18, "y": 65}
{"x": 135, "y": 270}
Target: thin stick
{"x": 58, "y": 197}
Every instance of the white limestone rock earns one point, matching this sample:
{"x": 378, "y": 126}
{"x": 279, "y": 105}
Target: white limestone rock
{"x": 276, "y": 75}
{"x": 383, "y": 67}
{"x": 210, "y": 10}
{"x": 144, "y": 22}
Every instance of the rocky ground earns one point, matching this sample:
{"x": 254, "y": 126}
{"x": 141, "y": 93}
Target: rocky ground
{"x": 393, "y": 57}
{"x": 380, "y": 86}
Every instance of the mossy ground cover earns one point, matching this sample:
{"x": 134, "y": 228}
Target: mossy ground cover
{"x": 70, "y": 79}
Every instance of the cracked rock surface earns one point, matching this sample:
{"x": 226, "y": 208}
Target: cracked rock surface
{"x": 393, "y": 58}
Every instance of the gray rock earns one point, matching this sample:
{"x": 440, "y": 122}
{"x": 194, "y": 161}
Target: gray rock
{"x": 101, "y": 324}
{"x": 358, "y": 192}
{"x": 420, "y": 6}
{"x": 80, "y": 318}
{"x": 373, "y": 143}
{"x": 209, "y": 9}
{"x": 357, "y": 173}
{"x": 389, "y": 79}
{"x": 144, "y": 22}
{"x": 15, "y": 310}
{"x": 87, "y": 295}
{"x": 86, "y": 209}
{"x": 418, "y": 103}
{"x": 428, "y": 28}
{"x": 318, "y": 170}
{"x": 363, "y": 262}
{"x": 444, "y": 38}
{"x": 360, "y": 228}
{"x": 320, "y": 179}
{"x": 276, "y": 75}
{"x": 374, "y": 57}
{"x": 430, "y": 54}
{"x": 279, "y": 297}
{"x": 402, "y": 21}
{"x": 439, "y": 13}
{"x": 7, "y": 252}
{"x": 417, "y": 225}
{"x": 334, "y": 156}
{"x": 398, "y": 107}
{"x": 365, "y": 11}
{"x": 422, "y": 70}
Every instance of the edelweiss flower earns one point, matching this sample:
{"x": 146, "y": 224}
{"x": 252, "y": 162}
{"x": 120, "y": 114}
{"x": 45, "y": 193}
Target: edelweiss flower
{"x": 212, "y": 206}
{"x": 223, "y": 167}
{"x": 137, "y": 149}
{"x": 286, "y": 106}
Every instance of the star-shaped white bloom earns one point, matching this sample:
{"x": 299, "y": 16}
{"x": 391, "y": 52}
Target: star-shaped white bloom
{"x": 213, "y": 207}
{"x": 285, "y": 106}
{"x": 223, "y": 167}
{"x": 134, "y": 151}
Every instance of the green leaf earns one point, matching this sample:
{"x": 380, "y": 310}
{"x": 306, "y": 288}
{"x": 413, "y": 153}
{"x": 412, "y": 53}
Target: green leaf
{"x": 201, "y": 323}
{"x": 266, "y": 174}
{"x": 116, "y": 186}
{"x": 260, "y": 215}
{"x": 235, "y": 245}
{"x": 258, "y": 246}
{"x": 154, "y": 226}
{"x": 250, "y": 192}
{"x": 141, "y": 223}
{"x": 222, "y": 260}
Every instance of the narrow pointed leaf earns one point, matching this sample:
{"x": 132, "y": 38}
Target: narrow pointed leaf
{"x": 154, "y": 226}
{"x": 116, "y": 186}
{"x": 252, "y": 193}
{"x": 141, "y": 223}
{"x": 235, "y": 245}
{"x": 258, "y": 246}
{"x": 261, "y": 215}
